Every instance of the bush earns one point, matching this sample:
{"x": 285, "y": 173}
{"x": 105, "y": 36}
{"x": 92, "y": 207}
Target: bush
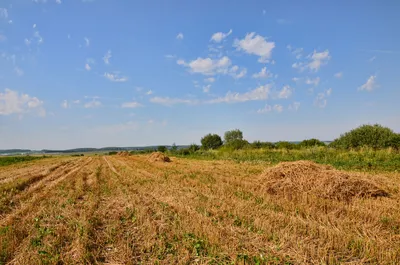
{"x": 232, "y": 136}
{"x": 394, "y": 141}
{"x": 265, "y": 145}
{"x": 373, "y": 136}
{"x": 162, "y": 149}
{"x": 286, "y": 145}
{"x": 237, "y": 144}
{"x": 211, "y": 141}
{"x": 193, "y": 148}
{"x": 112, "y": 153}
{"x": 311, "y": 143}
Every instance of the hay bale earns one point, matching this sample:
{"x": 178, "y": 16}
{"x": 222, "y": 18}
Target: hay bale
{"x": 158, "y": 157}
{"x": 305, "y": 177}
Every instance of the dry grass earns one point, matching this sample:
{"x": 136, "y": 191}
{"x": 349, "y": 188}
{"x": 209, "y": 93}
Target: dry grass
{"x": 158, "y": 157}
{"x": 129, "y": 210}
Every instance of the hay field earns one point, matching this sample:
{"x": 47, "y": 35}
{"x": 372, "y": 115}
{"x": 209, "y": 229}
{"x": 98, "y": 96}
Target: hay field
{"x": 141, "y": 210}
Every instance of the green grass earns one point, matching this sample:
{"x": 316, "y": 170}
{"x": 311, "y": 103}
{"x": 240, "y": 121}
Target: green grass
{"x": 360, "y": 160}
{"x": 9, "y": 160}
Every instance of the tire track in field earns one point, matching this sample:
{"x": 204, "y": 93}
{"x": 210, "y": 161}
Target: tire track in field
{"x": 38, "y": 194}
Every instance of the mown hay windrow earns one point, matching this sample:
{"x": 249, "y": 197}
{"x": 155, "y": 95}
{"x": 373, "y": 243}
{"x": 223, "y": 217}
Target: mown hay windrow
{"x": 123, "y": 153}
{"x": 306, "y": 177}
{"x": 158, "y": 157}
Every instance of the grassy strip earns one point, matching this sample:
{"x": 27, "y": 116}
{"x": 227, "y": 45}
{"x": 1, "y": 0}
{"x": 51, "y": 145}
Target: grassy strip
{"x": 362, "y": 160}
{"x": 9, "y": 160}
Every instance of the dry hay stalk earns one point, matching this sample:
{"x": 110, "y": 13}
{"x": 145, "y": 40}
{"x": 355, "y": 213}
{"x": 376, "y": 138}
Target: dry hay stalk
{"x": 158, "y": 157}
{"x": 308, "y": 178}
{"x": 123, "y": 153}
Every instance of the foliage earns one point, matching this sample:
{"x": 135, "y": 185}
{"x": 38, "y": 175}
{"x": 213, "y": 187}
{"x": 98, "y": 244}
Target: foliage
{"x": 174, "y": 147}
{"x": 264, "y": 145}
{"x": 8, "y": 160}
{"x": 373, "y": 136}
{"x": 193, "y": 148}
{"x": 286, "y": 145}
{"x": 112, "y": 153}
{"x": 237, "y": 144}
{"x": 232, "y": 136}
{"x": 311, "y": 143}
{"x": 211, "y": 141}
{"x": 162, "y": 149}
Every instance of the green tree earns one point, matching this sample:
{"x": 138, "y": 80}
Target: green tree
{"x": 162, "y": 149}
{"x": 374, "y": 136}
{"x": 211, "y": 141}
{"x": 193, "y": 148}
{"x": 233, "y": 135}
{"x": 174, "y": 147}
{"x": 285, "y": 145}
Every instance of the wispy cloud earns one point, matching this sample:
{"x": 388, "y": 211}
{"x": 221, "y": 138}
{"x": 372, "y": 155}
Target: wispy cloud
{"x": 382, "y": 51}
{"x": 87, "y": 67}
{"x": 294, "y": 106}
{"x": 314, "y": 61}
{"x": 18, "y": 71}
{"x": 167, "y": 101}
{"x": 65, "y": 104}
{"x": 87, "y": 42}
{"x": 370, "y": 84}
{"x": 260, "y": 93}
{"x": 107, "y": 57}
{"x": 93, "y": 104}
{"x": 338, "y": 75}
{"x": 264, "y": 73}
{"x": 115, "y": 77}
{"x": 179, "y": 36}
{"x": 372, "y": 59}
{"x": 321, "y": 99}
{"x": 286, "y": 92}
{"x": 219, "y": 36}
{"x": 209, "y": 80}
{"x": 3, "y": 13}
{"x": 133, "y": 104}
{"x": 256, "y": 45}
{"x": 313, "y": 81}
{"x": 268, "y": 108}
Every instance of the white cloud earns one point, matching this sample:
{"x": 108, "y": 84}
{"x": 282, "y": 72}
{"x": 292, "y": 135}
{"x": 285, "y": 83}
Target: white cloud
{"x": 87, "y": 67}
{"x": 370, "y": 84}
{"x": 93, "y": 104}
{"x": 11, "y": 102}
{"x": 107, "y": 57}
{"x": 179, "y": 36}
{"x": 268, "y": 108}
{"x": 296, "y": 79}
{"x": 263, "y": 73}
{"x": 294, "y": 106}
{"x": 149, "y": 92}
{"x": 170, "y": 56}
{"x": 209, "y": 80}
{"x": 65, "y": 104}
{"x": 3, "y": 13}
{"x": 260, "y": 93}
{"x": 233, "y": 72}
{"x": 298, "y": 52}
{"x": 76, "y": 101}
{"x": 207, "y": 66}
{"x": 257, "y": 45}
{"x": 219, "y": 36}
{"x": 320, "y": 100}
{"x": 286, "y": 92}
{"x": 339, "y": 75}
{"x": 115, "y": 77}
{"x": 314, "y": 61}
{"x": 18, "y": 71}
{"x": 39, "y": 38}
{"x": 311, "y": 81}
{"x": 132, "y": 104}
{"x": 58, "y": 1}
{"x": 167, "y": 101}
{"x": 87, "y": 42}
{"x": 206, "y": 89}
{"x": 34, "y": 26}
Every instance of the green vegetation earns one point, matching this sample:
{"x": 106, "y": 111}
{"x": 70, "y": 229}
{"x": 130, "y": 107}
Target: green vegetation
{"x": 8, "y": 160}
{"x": 162, "y": 149}
{"x": 211, "y": 141}
{"x": 373, "y": 136}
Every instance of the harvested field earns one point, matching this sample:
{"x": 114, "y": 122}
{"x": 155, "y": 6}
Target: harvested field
{"x": 130, "y": 210}
{"x": 159, "y": 157}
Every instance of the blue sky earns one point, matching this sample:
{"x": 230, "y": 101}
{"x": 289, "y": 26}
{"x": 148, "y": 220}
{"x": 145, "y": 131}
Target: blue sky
{"x": 94, "y": 73}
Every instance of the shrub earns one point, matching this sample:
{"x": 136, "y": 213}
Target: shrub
{"x": 265, "y": 145}
{"x": 373, "y": 136}
{"x": 311, "y": 143}
{"x": 286, "y": 145}
{"x": 162, "y": 149}
{"x": 193, "y": 148}
{"x": 112, "y": 153}
{"x": 237, "y": 144}
{"x": 211, "y": 141}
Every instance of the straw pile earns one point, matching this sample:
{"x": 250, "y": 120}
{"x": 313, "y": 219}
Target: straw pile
{"x": 158, "y": 157}
{"x": 301, "y": 178}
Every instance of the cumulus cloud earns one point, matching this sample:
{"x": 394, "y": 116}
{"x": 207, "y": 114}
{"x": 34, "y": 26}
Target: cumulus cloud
{"x": 260, "y": 93}
{"x": 114, "y": 77}
{"x": 12, "y": 102}
{"x": 131, "y": 105}
{"x": 107, "y": 57}
{"x": 370, "y": 84}
{"x": 87, "y": 67}
{"x": 312, "y": 81}
{"x": 264, "y": 73}
{"x": 207, "y": 66}
{"x": 179, "y": 36}
{"x": 313, "y": 61}
{"x": 257, "y": 45}
{"x": 219, "y": 36}
{"x": 286, "y": 92}
{"x": 167, "y": 101}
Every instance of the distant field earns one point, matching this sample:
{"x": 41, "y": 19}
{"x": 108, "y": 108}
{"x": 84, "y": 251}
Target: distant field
{"x": 128, "y": 210}
{"x": 9, "y": 160}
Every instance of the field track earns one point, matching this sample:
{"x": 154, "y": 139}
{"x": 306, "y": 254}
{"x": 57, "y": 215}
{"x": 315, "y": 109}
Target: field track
{"x": 127, "y": 210}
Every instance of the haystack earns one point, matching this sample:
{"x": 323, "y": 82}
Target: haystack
{"x": 158, "y": 157}
{"x": 123, "y": 153}
{"x": 308, "y": 178}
